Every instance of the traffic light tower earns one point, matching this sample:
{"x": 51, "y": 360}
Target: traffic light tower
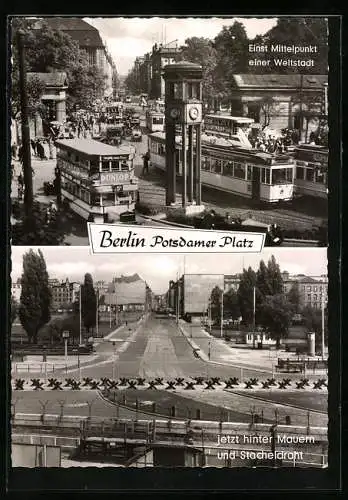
{"x": 183, "y": 119}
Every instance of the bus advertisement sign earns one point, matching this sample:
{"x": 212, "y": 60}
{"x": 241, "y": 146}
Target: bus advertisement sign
{"x": 114, "y": 177}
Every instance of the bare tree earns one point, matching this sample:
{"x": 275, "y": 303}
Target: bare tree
{"x": 267, "y": 109}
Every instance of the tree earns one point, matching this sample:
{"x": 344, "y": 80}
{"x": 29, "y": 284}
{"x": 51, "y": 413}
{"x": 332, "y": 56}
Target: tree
{"x": 88, "y": 303}
{"x": 269, "y": 280}
{"x": 49, "y": 50}
{"x": 246, "y": 295}
{"x": 294, "y": 297}
{"x": 14, "y": 309}
{"x": 276, "y": 317}
{"x": 267, "y": 109}
{"x": 132, "y": 82}
{"x": 303, "y": 31}
{"x": 215, "y": 304}
{"x": 35, "y": 300}
{"x": 231, "y": 304}
{"x": 231, "y": 46}
{"x": 312, "y": 320}
{"x": 34, "y": 229}
{"x": 201, "y": 51}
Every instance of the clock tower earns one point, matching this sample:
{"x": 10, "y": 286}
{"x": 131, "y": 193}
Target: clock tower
{"x": 183, "y": 121}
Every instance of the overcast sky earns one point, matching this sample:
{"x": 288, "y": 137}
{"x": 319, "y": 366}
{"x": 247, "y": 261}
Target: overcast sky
{"x": 73, "y": 262}
{"x": 127, "y": 38}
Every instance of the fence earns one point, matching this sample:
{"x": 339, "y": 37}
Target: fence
{"x": 38, "y": 368}
{"x": 211, "y": 437}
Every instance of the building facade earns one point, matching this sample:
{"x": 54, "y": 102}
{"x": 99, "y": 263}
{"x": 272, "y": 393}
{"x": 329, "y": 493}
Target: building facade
{"x": 64, "y": 293}
{"x": 53, "y": 99}
{"x": 313, "y": 290}
{"x": 16, "y": 289}
{"x": 128, "y": 293}
{"x": 190, "y": 294}
{"x": 89, "y": 41}
{"x": 294, "y": 101}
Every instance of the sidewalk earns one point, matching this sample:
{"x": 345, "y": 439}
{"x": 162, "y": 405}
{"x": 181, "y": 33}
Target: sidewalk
{"x": 222, "y": 353}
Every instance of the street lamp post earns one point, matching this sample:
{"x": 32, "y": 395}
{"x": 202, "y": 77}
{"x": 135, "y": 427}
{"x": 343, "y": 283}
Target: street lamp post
{"x": 80, "y": 313}
{"x": 222, "y": 315}
{"x": 66, "y": 334}
{"x": 26, "y": 154}
{"x": 114, "y": 361}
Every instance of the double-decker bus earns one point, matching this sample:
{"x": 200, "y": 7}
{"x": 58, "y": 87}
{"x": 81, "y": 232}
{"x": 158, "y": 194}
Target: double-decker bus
{"x": 311, "y": 170}
{"x": 114, "y": 109}
{"x": 235, "y": 128}
{"x": 97, "y": 180}
{"x": 249, "y": 173}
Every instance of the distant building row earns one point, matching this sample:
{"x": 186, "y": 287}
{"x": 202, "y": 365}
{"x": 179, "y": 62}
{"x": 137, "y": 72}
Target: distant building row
{"x": 191, "y": 294}
{"x": 278, "y": 101}
{"x": 125, "y": 293}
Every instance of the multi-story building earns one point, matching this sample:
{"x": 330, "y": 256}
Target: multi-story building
{"x": 89, "y": 41}
{"x": 313, "y": 290}
{"x": 64, "y": 292}
{"x": 16, "y": 289}
{"x": 161, "y": 56}
{"x": 129, "y": 293}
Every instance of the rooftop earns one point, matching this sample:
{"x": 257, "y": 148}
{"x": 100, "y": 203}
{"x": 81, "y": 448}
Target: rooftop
{"x": 80, "y": 31}
{"x": 276, "y": 81}
{"x": 92, "y": 147}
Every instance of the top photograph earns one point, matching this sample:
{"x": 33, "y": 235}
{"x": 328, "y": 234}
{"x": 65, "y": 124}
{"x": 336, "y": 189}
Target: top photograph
{"x": 194, "y": 123}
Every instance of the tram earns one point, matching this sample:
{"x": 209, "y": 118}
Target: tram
{"x": 311, "y": 170}
{"x": 155, "y": 121}
{"x": 248, "y": 173}
{"x": 235, "y": 128}
{"x": 97, "y": 180}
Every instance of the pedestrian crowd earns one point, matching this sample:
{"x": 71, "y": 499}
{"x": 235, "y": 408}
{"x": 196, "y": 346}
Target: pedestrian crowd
{"x": 275, "y": 145}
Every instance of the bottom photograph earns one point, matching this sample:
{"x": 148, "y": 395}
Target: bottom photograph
{"x": 169, "y": 360}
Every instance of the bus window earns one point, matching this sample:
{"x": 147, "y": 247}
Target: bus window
{"x": 115, "y": 165}
{"x": 94, "y": 167}
{"x": 105, "y": 166}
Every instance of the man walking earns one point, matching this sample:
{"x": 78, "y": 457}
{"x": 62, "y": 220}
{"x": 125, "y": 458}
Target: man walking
{"x": 146, "y": 161}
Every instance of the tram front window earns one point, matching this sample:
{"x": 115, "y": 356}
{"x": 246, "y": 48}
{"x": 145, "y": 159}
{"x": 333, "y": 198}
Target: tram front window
{"x": 282, "y": 176}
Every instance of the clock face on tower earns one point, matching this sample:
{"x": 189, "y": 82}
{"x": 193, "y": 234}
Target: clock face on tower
{"x": 194, "y": 112}
{"x": 174, "y": 113}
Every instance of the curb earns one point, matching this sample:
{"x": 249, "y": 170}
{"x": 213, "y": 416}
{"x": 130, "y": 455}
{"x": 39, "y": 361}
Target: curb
{"x": 265, "y": 400}
{"x": 219, "y": 363}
